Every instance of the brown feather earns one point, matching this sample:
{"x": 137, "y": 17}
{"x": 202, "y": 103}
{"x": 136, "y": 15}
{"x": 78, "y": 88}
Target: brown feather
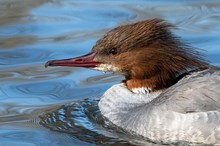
{"x": 149, "y": 55}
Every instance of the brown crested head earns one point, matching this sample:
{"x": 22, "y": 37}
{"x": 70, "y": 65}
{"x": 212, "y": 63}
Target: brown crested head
{"x": 146, "y": 53}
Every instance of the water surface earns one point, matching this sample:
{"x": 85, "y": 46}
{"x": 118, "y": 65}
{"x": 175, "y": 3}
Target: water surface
{"x": 58, "y": 106}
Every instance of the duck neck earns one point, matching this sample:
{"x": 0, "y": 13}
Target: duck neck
{"x": 150, "y": 85}
{"x": 158, "y": 82}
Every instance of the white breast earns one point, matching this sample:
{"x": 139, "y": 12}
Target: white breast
{"x": 172, "y": 115}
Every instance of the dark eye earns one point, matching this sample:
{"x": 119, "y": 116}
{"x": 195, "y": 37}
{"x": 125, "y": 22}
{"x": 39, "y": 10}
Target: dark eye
{"x": 113, "y": 51}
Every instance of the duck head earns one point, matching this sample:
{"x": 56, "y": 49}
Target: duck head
{"x": 147, "y": 53}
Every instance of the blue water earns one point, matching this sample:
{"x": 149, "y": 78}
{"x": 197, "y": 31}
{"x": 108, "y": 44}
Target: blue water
{"x": 58, "y": 106}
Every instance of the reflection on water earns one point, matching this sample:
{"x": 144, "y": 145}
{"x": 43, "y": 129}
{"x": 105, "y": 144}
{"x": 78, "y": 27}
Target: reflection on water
{"x": 83, "y": 120}
{"x": 65, "y": 99}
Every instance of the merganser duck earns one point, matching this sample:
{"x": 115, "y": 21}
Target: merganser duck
{"x": 170, "y": 93}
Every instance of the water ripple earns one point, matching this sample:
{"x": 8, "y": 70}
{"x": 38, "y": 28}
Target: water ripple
{"x": 83, "y": 120}
{"x": 53, "y": 91}
{"x": 35, "y": 136}
{"x": 33, "y": 73}
{"x": 12, "y": 57}
{"x": 101, "y": 79}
